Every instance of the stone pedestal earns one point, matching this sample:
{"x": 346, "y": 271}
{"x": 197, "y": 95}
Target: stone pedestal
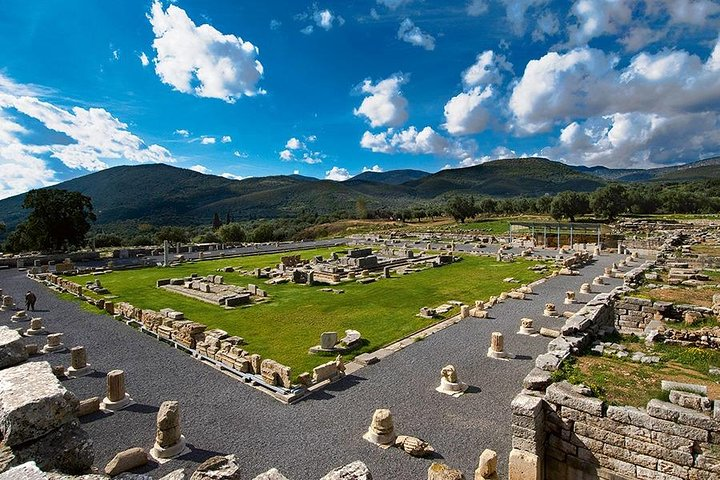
{"x": 569, "y": 298}
{"x": 598, "y": 281}
{"x": 449, "y": 383}
{"x": 550, "y": 310}
{"x": 53, "y": 343}
{"x": 526, "y": 327}
{"x": 116, "y": 398}
{"x": 20, "y": 316}
{"x": 36, "y": 327}
{"x": 386, "y": 272}
{"x": 497, "y": 346}
{"x": 78, "y": 362}
{"x": 169, "y": 441}
{"x": 585, "y": 288}
{"x": 382, "y": 430}
{"x": 7, "y": 303}
{"x": 464, "y": 311}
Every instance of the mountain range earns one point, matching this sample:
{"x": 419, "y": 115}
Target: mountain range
{"x": 160, "y": 194}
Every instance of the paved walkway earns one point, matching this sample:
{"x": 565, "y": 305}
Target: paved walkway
{"x": 306, "y": 440}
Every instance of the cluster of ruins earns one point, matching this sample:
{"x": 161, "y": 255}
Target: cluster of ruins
{"x": 212, "y": 289}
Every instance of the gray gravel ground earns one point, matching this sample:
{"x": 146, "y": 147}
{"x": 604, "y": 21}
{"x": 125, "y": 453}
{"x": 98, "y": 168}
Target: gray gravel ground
{"x": 306, "y": 440}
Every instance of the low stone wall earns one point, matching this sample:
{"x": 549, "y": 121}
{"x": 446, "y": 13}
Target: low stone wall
{"x": 634, "y": 314}
{"x": 216, "y": 345}
{"x": 566, "y": 434}
{"x": 595, "y": 319}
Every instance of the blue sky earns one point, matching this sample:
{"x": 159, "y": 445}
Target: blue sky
{"x": 328, "y": 89}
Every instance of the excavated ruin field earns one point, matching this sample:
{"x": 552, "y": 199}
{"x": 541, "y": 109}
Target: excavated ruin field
{"x": 285, "y": 327}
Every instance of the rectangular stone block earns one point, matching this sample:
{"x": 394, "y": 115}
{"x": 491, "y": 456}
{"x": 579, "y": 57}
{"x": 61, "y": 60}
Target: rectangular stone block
{"x": 563, "y": 394}
{"x": 12, "y": 349}
{"x": 524, "y": 466}
{"x": 29, "y": 410}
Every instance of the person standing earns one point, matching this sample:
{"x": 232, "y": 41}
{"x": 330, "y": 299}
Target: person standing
{"x": 30, "y": 300}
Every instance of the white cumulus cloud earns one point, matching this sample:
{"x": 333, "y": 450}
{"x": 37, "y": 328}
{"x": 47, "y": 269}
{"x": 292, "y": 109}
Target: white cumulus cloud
{"x": 410, "y": 33}
{"x": 294, "y": 144}
{"x": 200, "y": 169}
{"x": 92, "y": 137}
{"x": 418, "y": 142}
{"x": 338, "y": 174}
{"x": 232, "y": 176}
{"x": 207, "y": 140}
{"x": 144, "y": 59}
{"x": 200, "y": 60}
{"x": 226, "y": 139}
{"x": 182, "y": 132}
{"x": 374, "y": 168}
{"x": 466, "y": 113}
{"x": 385, "y": 105}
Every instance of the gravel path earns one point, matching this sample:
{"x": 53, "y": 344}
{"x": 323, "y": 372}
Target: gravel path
{"x": 306, "y": 440}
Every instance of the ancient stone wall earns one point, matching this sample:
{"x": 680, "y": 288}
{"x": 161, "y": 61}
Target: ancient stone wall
{"x": 571, "y": 435}
{"x": 634, "y": 314}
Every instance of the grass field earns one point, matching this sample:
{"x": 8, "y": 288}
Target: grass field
{"x": 624, "y": 382}
{"x": 291, "y": 322}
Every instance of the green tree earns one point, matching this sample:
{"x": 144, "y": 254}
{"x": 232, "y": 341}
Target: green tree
{"x": 264, "y": 232}
{"x": 461, "y": 207}
{"x": 103, "y": 240}
{"x": 361, "y": 208}
{"x": 609, "y": 201}
{"x": 232, "y": 232}
{"x": 487, "y": 205}
{"x": 216, "y": 221}
{"x": 172, "y": 235}
{"x": 568, "y": 204}
{"x": 59, "y": 220}
{"x": 543, "y": 204}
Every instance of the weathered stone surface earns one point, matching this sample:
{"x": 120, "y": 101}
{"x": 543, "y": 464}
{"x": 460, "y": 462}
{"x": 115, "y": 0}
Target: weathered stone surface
{"x": 218, "y": 468}
{"x": 414, "y": 446}
{"x": 524, "y": 466}
{"x": 272, "y": 474}
{"x": 537, "y": 379}
{"x": 12, "y": 349}
{"x": 67, "y": 449}
{"x": 440, "y": 471}
{"x": 352, "y": 471}
{"x": 487, "y": 466}
{"x": 88, "y": 406}
{"x": 29, "y": 410}
{"x": 126, "y": 460}
{"x": 275, "y": 373}
{"x": 178, "y": 474}
{"x": 382, "y": 429}
{"x": 565, "y": 394}
{"x": 26, "y": 471}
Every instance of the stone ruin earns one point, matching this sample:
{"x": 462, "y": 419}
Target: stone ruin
{"x": 449, "y": 383}
{"x": 212, "y": 289}
{"x": 358, "y": 264}
{"x": 38, "y": 421}
{"x": 329, "y": 342}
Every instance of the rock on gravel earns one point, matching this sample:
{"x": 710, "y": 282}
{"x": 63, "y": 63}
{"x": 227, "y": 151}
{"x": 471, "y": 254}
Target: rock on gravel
{"x": 352, "y": 471}
{"x": 218, "y": 468}
{"x": 12, "y": 348}
{"x": 126, "y": 460}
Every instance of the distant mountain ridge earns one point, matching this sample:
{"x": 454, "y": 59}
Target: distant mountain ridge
{"x": 392, "y": 177}
{"x": 160, "y": 194}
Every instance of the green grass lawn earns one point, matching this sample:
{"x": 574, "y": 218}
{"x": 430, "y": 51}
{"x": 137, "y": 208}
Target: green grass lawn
{"x": 291, "y": 322}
